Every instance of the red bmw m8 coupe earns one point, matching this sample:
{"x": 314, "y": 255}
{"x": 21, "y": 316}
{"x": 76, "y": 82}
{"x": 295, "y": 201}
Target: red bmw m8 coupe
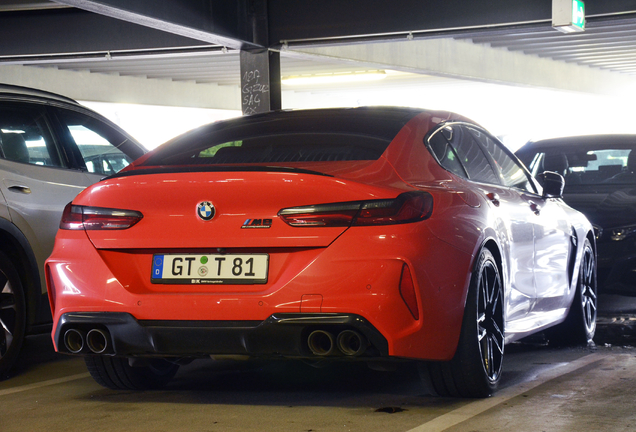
{"x": 368, "y": 234}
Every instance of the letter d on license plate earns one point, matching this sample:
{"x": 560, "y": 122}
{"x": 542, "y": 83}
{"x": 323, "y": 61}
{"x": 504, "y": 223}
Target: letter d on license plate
{"x": 210, "y": 268}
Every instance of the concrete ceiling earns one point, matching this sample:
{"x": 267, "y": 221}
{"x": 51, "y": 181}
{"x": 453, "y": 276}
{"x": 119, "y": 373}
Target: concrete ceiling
{"x": 509, "y": 42}
{"x": 605, "y": 45}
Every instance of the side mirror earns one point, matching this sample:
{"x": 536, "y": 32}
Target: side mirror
{"x": 552, "y": 184}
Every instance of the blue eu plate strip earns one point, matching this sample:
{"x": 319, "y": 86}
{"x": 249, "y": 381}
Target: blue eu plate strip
{"x": 157, "y": 267}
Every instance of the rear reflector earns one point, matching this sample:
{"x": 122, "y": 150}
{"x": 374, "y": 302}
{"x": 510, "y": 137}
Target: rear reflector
{"x": 407, "y": 207}
{"x": 97, "y": 218}
{"x": 51, "y": 291}
{"x": 407, "y": 291}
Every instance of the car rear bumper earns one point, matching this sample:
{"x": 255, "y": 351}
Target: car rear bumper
{"x": 357, "y": 275}
{"x": 280, "y": 335}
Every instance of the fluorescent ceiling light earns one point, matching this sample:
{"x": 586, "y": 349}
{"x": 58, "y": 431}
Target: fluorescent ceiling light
{"x": 346, "y": 77}
{"x": 568, "y": 28}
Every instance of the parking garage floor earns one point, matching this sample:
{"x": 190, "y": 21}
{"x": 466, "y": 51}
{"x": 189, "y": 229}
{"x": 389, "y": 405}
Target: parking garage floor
{"x": 543, "y": 389}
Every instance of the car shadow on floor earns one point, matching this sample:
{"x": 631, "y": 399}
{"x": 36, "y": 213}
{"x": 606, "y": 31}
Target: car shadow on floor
{"x": 616, "y": 327}
{"x": 36, "y": 350}
{"x": 616, "y": 321}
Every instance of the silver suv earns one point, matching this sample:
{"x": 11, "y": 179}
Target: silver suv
{"x": 51, "y": 148}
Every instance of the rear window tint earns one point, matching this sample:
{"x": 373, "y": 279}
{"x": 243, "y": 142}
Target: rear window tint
{"x": 288, "y": 148}
{"x": 286, "y": 137}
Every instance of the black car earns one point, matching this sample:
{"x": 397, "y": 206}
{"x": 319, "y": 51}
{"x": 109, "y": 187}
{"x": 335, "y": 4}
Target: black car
{"x": 600, "y": 181}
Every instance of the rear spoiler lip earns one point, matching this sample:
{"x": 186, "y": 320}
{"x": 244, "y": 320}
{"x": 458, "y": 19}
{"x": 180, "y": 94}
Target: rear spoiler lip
{"x": 213, "y": 168}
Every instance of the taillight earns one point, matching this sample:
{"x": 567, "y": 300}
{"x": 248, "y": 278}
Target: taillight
{"x": 407, "y": 207}
{"x": 322, "y": 215}
{"x": 77, "y": 217}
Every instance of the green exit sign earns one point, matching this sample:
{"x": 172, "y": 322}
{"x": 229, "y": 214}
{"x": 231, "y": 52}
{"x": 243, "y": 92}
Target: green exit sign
{"x": 578, "y": 14}
{"x": 568, "y": 15}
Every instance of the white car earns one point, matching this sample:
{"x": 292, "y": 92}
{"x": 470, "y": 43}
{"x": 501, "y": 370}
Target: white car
{"x": 51, "y": 148}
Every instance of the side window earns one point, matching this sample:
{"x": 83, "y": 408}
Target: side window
{"x": 25, "y": 138}
{"x": 469, "y": 154}
{"x": 512, "y": 172}
{"x": 444, "y": 151}
{"x": 100, "y": 146}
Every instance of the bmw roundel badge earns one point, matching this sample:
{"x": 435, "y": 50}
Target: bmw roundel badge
{"x": 205, "y": 210}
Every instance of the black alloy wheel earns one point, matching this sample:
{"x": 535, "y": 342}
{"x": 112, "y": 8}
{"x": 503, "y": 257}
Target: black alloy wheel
{"x": 579, "y": 326}
{"x": 490, "y": 321}
{"x": 587, "y": 292}
{"x": 12, "y": 314}
{"x": 475, "y": 370}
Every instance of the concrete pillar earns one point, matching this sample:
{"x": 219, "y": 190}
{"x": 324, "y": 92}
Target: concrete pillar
{"x": 260, "y": 81}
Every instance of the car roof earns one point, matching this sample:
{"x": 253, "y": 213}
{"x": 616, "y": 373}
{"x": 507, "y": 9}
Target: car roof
{"x": 381, "y": 122}
{"x": 584, "y": 141}
{"x": 389, "y": 113}
{"x": 19, "y": 91}
{"x": 378, "y": 122}
{"x": 375, "y": 119}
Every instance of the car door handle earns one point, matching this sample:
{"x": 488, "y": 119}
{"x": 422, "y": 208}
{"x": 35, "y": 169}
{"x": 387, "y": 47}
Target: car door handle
{"x": 20, "y": 189}
{"x": 535, "y": 208}
{"x": 494, "y": 198}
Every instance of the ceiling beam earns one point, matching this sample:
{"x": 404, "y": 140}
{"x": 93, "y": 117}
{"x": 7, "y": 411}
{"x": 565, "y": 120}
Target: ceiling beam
{"x": 75, "y": 32}
{"x": 225, "y": 23}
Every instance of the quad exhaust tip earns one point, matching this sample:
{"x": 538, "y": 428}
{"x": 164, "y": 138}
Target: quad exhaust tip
{"x": 320, "y": 342}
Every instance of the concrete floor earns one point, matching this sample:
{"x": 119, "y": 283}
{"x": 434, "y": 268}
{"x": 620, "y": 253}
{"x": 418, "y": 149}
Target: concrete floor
{"x": 542, "y": 389}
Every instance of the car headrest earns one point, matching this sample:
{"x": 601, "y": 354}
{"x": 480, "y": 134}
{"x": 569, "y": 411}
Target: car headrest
{"x": 556, "y": 163}
{"x": 631, "y": 161}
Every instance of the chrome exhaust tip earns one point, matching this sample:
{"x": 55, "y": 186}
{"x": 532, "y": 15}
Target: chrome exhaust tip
{"x": 321, "y": 343}
{"x": 74, "y": 341}
{"x": 351, "y": 343}
{"x": 97, "y": 341}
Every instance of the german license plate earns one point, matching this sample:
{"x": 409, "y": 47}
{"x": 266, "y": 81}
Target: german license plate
{"x": 210, "y": 268}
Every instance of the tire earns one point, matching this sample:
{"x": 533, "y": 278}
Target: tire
{"x": 580, "y": 323}
{"x": 12, "y": 314}
{"x": 475, "y": 370}
{"x": 116, "y": 373}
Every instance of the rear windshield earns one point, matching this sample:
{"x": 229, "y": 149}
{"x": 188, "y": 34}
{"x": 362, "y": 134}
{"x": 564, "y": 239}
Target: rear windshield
{"x": 286, "y": 137}
{"x": 286, "y": 148}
